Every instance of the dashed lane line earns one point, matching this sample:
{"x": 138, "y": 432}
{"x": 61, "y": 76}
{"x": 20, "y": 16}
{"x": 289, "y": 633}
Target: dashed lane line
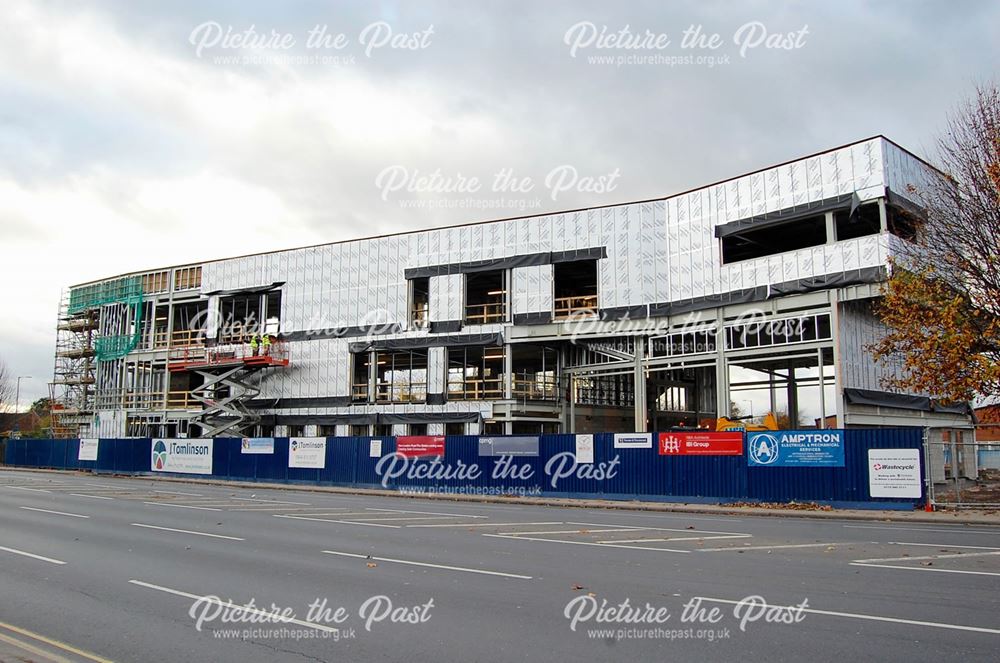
{"x": 681, "y": 538}
{"x": 228, "y": 605}
{"x": 429, "y": 565}
{"x": 486, "y": 524}
{"x": 927, "y": 557}
{"x": 854, "y": 615}
{"x": 924, "y": 568}
{"x": 778, "y": 547}
{"x": 427, "y": 513}
{"x": 955, "y": 530}
{"x": 510, "y": 537}
{"x": 941, "y": 545}
{"x": 328, "y": 520}
{"x": 182, "y": 506}
{"x": 188, "y": 531}
{"x": 57, "y": 513}
{"x": 24, "y": 553}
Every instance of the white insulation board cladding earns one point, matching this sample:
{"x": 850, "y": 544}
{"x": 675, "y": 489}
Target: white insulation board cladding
{"x": 533, "y": 286}
{"x": 657, "y": 251}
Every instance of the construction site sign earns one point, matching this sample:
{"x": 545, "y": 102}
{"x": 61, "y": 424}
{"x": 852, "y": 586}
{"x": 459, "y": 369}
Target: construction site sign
{"x": 307, "y": 452}
{"x": 88, "y": 448}
{"x": 416, "y": 446}
{"x": 701, "y": 444}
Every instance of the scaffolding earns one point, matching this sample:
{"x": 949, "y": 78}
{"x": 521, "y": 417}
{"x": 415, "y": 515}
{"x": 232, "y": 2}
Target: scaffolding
{"x": 72, "y": 387}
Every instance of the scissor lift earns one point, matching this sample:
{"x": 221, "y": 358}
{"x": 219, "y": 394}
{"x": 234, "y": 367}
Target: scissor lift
{"x": 226, "y": 390}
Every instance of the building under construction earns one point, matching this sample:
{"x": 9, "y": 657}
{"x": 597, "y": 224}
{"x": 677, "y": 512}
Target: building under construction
{"x": 748, "y": 298}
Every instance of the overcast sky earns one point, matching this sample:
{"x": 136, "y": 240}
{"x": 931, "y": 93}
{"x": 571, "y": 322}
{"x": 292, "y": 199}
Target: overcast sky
{"x": 135, "y": 134}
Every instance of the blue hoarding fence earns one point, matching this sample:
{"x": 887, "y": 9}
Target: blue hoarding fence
{"x": 832, "y": 469}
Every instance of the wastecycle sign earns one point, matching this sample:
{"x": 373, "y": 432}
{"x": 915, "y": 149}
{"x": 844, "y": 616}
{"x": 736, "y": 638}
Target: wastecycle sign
{"x": 796, "y": 448}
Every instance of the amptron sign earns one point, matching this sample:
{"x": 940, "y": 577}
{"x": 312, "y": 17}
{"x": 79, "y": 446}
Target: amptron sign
{"x": 796, "y": 448}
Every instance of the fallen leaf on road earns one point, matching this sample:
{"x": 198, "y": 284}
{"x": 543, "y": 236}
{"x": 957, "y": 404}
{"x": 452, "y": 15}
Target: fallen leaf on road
{"x": 372, "y": 565}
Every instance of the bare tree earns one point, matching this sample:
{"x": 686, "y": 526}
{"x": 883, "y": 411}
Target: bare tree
{"x": 6, "y": 387}
{"x": 942, "y": 305}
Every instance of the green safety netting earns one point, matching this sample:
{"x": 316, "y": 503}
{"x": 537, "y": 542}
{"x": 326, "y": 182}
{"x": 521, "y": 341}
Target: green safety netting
{"x": 126, "y": 290}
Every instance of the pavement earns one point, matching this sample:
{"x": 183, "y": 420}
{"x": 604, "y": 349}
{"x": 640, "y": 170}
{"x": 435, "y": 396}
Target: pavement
{"x": 101, "y": 568}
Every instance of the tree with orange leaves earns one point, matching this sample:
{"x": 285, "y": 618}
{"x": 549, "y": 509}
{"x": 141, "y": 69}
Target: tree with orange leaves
{"x": 942, "y": 302}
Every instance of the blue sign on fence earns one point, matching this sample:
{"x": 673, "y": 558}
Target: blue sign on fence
{"x": 796, "y": 448}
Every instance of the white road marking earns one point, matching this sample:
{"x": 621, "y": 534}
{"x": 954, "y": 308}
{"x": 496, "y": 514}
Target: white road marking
{"x": 675, "y": 514}
{"x": 583, "y": 543}
{"x": 941, "y": 545}
{"x": 187, "y": 531}
{"x": 956, "y": 530}
{"x": 257, "y": 499}
{"x": 369, "y": 519}
{"x": 178, "y": 492}
{"x": 31, "y": 555}
{"x": 924, "y": 568}
{"x": 232, "y": 606}
{"x": 182, "y": 506}
{"x": 664, "y": 529}
{"x": 339, "y": 514}
{"x": 327, "y": 520}
{"x": 95, "y": 497}
{"x": 927, "y": 557}
{"x": 271, "y": 508}
{"x": 788, "y": 545}
{"x": 484, "y": 524}
{"x": 426, "y": 513}
{"x": 34, "y": 490}
{"x": 58, "y": 513}
{"x": 427, "y": 564}
{"x": 580, "y": 531}
{"x": 875, "y": 618}
{"x": 681, "y": 538}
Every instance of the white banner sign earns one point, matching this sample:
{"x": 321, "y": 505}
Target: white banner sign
{"x": 584, "y": 449}
{"x": 88, "y": 448}
{"x": 375, "y": 449}
{"x": 307, "y": 452}
{"x": 633, "y": 440}
{"x": 894, "y": 472}
{"x": 257, "y": 445}
{"x": 190, "y": 456}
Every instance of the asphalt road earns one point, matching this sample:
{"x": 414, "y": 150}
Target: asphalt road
{"x": 96, "y": 568}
